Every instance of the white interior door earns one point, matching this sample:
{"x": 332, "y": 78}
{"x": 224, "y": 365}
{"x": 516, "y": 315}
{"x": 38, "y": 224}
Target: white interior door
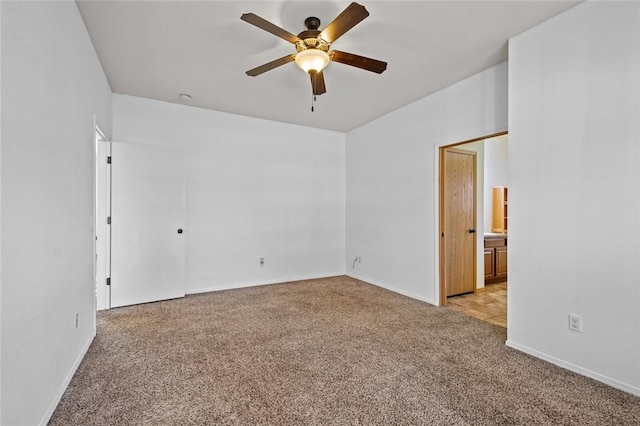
{"x": 147, "y": 223}
{"x": 103, "y": 207}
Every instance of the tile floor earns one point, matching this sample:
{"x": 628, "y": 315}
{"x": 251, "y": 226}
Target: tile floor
{"x": 488, "y": 304}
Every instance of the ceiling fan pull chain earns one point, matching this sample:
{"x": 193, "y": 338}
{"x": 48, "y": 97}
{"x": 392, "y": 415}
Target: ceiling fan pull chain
{"x": 313, "y": 101}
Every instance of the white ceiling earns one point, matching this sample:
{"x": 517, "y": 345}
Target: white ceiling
{"x": 160, "y": 49}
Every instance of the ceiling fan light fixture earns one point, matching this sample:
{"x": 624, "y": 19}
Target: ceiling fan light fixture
{"x": 312, "y": 60}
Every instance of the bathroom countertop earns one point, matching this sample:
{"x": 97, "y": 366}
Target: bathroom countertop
{"x": 494, "y": 235}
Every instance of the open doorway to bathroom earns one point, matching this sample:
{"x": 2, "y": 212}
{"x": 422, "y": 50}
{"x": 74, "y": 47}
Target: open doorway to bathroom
{"x": 487, "y": 299}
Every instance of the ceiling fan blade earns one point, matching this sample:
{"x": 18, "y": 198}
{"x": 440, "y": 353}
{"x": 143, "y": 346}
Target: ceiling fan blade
{"x": 271, "y": 65}
{"x": 362, "y": 62}
{"x": 349, "y": 18}
{"x": 262, "y": 23}
{"x": 317, "y": 83}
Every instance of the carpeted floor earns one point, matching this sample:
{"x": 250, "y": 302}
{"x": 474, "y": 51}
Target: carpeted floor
{"x": 333, "y": 351}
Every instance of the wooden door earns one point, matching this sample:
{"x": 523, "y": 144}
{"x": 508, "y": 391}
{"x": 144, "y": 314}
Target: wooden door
{"x": 458, "y": 218}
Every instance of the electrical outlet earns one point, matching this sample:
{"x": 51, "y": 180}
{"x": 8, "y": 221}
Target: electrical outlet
{"x": 261, "y": 261}
{"x": 575, "y": 323}
{"x": 76, "y": 320}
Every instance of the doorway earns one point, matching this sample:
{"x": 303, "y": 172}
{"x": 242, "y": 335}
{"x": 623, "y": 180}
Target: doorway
{"x": 140, "y": 215}
{"x": 487, "y": 301}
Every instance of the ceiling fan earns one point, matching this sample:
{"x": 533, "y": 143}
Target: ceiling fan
{"x": 313, "y": 46}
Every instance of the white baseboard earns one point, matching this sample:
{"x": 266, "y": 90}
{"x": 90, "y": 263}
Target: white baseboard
{"x": 394, "y": 289}
{"x": 259, "y": 283}
{"x": 66, "y": 382}
{"x": 575, "y": 368}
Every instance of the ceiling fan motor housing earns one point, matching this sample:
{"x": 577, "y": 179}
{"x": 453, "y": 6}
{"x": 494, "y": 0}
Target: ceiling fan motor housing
{"x": 309, "y": 37}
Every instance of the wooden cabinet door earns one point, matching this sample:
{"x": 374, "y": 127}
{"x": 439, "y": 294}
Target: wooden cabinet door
{"x": 499, "y": 211}
{"x": 501, "y": 261}
{"x": 488, "y": 263}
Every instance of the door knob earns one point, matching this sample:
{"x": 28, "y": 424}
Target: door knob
{"x": 180, "y": 231}
{"x": 472, "y": 231}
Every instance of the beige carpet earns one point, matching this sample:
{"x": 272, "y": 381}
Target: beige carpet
{"x": 333, "y": 351}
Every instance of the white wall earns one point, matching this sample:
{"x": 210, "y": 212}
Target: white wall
{"x": 392, "y": 179}
{"x": 253, "y": 187}
{"x": 495, "y": 173}
{"x": 574, "y": 169}
{"x": 52, "y": 85}
{"x": 0, "y": 213}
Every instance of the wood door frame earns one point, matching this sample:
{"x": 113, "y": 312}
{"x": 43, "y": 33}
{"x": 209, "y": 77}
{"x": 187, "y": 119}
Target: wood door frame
{"x": 442, "y": 294}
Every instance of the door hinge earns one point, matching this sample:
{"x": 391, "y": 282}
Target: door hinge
{"x": 109, "y": 281}
{"x": 108, "y": 220}
{"x": 109, "y": 160}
